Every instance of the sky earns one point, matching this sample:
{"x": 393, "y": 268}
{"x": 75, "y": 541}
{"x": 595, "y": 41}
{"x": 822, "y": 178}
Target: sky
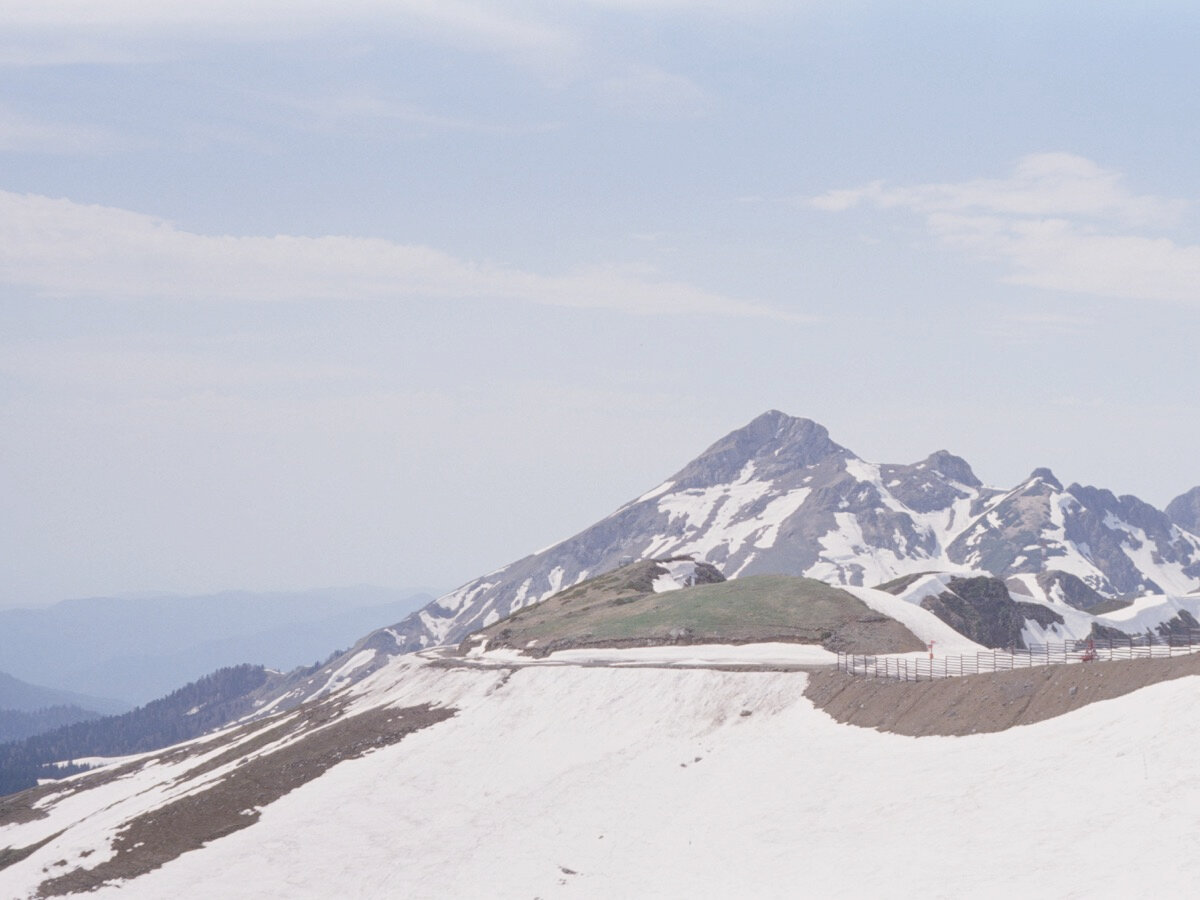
{"x": 305, "y": 294}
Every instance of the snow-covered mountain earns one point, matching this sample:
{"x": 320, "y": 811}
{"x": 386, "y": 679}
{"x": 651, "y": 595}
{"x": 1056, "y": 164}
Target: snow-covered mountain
{"x": 1115, "y": 545}
{"x": 779, "y": 496}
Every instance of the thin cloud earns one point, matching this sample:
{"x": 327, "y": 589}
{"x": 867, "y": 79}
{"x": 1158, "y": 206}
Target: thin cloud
{"x": 85, "y": 364}
{"x": 555, "y": 40}
{"x": 727, "y": 8}
{"x": 1042, "y": 184}
{"x": 23, "y": 134}
{"x": 56, "y": 32}
{"x": 335, "y": 110}
{"x": 647, "y": 92}
{"x": 1059, "y": 222}
{"x": 1034, "y": 327}
{"x": 59, "y": 248}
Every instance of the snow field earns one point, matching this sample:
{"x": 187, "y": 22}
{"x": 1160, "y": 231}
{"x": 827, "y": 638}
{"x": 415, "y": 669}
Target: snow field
{"x": 920, "y": 621}
{"x": 92, "y": 818}
{"x": 768, "y": 653}
{"x": 595, "y": 770}
{"x": 714, "y": 517}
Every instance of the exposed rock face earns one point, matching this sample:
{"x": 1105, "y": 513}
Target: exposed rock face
{"x": 982, "y": 609}
{"x": 1114, "y": 545}
{"x": 932, "y": 484}
{"x": 780, "y": 496}
{"x": 778, "y": 445}
{"x": 1184, "y": 510}
{"x": 1113, "y": 526}
{"x": 1071, "y": 589}
{"x": 1184, "y": 625}
{"x": 1009, "y": 538}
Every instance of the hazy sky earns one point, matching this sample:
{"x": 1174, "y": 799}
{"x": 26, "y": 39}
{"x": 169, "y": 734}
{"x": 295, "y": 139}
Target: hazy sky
{"x": 298, "y": 294}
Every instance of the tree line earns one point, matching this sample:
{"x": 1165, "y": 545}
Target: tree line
{"x": 189, "y": 712}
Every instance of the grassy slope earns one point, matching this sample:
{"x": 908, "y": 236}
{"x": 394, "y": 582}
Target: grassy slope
{"x": 614, "y": 610}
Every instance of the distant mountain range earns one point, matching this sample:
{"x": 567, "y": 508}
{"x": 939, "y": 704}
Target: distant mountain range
{"x": 22, "y": 696}
{"x": 139, "y": 648}
{"x": 28, "y": 709}
{"x": 16, "y": 725}
{"x": 779, "y": 496}
{"x": 189, "y": 711}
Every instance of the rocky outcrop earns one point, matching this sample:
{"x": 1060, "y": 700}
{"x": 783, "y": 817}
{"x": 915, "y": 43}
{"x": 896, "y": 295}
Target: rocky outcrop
{"x": 981, "y": 609}
{"x": 1070, "y": 589}
{"x": 1184, "y": 510}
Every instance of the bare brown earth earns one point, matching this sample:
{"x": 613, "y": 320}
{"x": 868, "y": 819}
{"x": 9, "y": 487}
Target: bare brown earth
{"x": 989, "y": 702}
{"x": 234, "y": 802}
{"x": 22, "y": 806}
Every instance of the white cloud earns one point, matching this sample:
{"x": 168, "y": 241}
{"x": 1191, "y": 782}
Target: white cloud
{"x": 1059, "y": 221}
{"x": 1042, "y": 184}
{"x": 57, "y": 247}
{"x": 557, "y": 40}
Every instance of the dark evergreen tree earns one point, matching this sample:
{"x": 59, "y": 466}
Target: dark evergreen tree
{"x": 189, "y": 712}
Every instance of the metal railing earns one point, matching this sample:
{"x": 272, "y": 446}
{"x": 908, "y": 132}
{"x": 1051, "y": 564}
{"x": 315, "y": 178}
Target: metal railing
{"x": 1143, "y": 646}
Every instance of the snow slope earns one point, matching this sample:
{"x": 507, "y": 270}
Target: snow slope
{"x": 574, "y": 781}
{"x": 766, "y": 653}
{"x": 906, "y": 610}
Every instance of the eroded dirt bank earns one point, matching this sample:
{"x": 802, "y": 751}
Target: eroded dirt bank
{"x": 990, "y": 702}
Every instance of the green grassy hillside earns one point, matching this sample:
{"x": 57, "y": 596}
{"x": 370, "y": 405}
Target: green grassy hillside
{"x": 618, "y": 610}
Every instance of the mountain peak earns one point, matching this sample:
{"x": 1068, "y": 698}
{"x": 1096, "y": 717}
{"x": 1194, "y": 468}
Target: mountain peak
{"x": 773, "y": 440}
{"x": 953, "y": 467}
{"x": 1046, "y": 476}
{"x": 1184, "y": 510}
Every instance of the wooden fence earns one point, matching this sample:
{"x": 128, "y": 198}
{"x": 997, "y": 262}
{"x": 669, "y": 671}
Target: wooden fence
{"x": 900, "y": 668}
